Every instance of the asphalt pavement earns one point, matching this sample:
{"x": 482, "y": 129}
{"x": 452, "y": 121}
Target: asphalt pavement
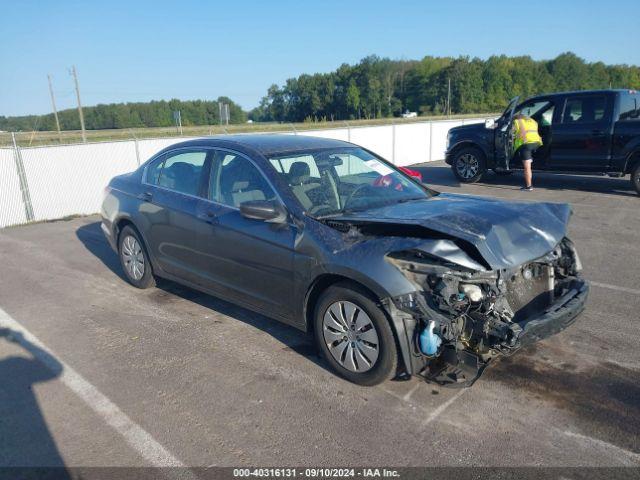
{"x": 94, "y": 372}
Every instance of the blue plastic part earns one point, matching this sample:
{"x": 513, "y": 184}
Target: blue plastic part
{"x": 429, "y": 341}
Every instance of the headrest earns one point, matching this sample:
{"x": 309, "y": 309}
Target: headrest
{"x": 299, "y": 173}
{"x": 239, "y": 186}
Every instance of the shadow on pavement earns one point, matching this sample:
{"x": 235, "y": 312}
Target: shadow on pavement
{"x": 441, "y": 175}
{"x": 295, "y": 340}
{"x": 25, "y": 439}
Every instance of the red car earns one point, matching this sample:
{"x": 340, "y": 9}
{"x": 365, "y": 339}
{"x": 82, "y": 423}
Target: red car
{"x": 412, "y": 173}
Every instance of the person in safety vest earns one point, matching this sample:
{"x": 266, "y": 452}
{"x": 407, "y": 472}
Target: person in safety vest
{"x": 526, "y": 140}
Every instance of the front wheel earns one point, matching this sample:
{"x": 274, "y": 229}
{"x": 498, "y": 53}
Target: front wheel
{"x": 469, "y": 164}
{"x": 354, "y": 335}
{"x": 635, "y": 177}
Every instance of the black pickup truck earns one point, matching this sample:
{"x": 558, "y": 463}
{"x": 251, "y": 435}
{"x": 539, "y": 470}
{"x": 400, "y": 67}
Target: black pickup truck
{"x": 595, "y": 131}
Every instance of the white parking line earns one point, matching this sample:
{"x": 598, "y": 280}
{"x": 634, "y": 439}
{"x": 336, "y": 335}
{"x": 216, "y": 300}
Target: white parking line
{"x": 138, "y": 438}
{"x": 614, "y": 449}
{"x": 441, "y": 408}
{"x": 615, "y": 287}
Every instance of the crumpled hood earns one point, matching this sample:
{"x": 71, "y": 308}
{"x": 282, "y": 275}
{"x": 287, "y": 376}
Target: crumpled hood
{"x": 505, "y": 234}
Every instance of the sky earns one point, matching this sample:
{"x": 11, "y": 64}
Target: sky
{"x": 192, "y": 49}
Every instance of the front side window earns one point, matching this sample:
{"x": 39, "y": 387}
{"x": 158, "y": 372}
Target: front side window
{"x": 235, "y": 180}
{"x": 541, "y": 111}
{"x": 180, "y": 172}
{"x": 332, "y": 182}
{"x": 584, "y": 109}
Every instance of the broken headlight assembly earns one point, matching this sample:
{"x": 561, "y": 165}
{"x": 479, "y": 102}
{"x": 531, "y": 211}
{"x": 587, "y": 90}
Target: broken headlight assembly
{"x": 463, "y": 318}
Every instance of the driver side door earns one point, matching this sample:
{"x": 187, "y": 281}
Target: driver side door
{"x": 248, "y": 260}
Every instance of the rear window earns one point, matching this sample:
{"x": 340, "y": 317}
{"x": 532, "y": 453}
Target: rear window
{"x": 629, "y": 106}
{"x": 585, "y": 109}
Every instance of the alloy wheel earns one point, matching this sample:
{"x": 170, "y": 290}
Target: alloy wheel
{"x": 467, "y": 166}
{"x": 350, "y": 336}
{"x": 133, "y": 257}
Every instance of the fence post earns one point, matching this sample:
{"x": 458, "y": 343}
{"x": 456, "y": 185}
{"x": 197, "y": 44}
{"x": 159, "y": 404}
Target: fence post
{"x": 22, "y": 177}
{"x": 393, "y": 143}
{"x": 135, "y": 141}
{"x": 348, "y": 130}
{"x": 430, "y": 140}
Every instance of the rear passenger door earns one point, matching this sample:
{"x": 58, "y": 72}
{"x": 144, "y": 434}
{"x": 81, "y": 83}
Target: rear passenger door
{"x": 174, "y": 187}
{"x": 582, "y": 137}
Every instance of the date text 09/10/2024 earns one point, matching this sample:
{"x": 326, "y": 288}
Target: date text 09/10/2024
{"x": 316, "y": 472}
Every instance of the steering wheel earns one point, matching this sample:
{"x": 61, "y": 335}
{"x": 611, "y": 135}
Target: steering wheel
{"x": 353, "y": 194}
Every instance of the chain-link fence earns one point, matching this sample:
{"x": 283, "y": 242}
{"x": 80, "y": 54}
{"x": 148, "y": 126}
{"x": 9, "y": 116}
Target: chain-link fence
{"x": 53, "y": 181}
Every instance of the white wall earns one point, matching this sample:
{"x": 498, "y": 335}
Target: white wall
{"x": 69, "y": 179}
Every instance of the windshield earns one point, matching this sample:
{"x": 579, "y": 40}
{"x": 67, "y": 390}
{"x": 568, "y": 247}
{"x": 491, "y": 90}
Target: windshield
{"x": 332, "y": 182}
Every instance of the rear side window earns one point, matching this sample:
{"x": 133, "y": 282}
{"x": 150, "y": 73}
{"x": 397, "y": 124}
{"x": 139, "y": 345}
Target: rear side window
{"x": 585, "y": 109}
{"x": 180, "y": 172}
{"x": 629, "y": 106}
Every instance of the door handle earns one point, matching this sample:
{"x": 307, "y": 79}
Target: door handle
{"x": 597, "y": 133}
{"x": 208, "y": 216}
{"x": 146, "y": 196}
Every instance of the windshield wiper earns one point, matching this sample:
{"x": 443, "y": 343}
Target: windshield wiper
{"x": 410, "y": 199}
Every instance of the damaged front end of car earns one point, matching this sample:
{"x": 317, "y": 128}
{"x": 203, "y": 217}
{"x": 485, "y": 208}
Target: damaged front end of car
{"x": 463, "y": 314}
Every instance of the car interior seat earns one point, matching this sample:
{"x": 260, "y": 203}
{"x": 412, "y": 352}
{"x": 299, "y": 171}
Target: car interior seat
{"x": 240, "y": 182}
{"x": 301, "y": 183}
{"x": 182, "y": 177}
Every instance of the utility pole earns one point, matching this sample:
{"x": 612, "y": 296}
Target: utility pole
{"x": 449, "y": 99}
{"x": 55, "y": 111}
{"x": 226, "y": 113}
{"x": 75, "y": 79}
{"x": 220, "y": 112}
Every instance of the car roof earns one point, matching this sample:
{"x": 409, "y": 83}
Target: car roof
{"x": 267, "y": 144}
{"x": 580, "y": 92}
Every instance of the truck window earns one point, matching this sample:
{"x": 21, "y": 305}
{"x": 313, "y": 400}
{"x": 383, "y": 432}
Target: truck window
{"x": 585, "y": 109}
{"x": 530, "y": 109}
{"x": 541, "y": 111}
{"x": 629, "y": 106}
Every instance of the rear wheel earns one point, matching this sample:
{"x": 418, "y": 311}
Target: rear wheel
{"x": 134, "y": 259}
{"x": 354, "y": 335}
{"x": 635, "y": 177}
{"x": 469, "y": 164}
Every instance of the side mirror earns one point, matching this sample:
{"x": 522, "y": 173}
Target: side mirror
{"x": 490, "y": 123}
{"x": 265, "y": 210}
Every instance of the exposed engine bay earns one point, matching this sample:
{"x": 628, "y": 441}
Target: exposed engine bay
{"x": 462, "y": 318}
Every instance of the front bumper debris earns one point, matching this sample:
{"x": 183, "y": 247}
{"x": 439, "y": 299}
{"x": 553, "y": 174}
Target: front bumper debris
{"x": 461, "y": 368}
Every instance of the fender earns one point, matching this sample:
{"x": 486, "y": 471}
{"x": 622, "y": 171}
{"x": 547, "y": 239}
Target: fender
{"x": 472, "y": 139}
{"x": 632, "y": 155}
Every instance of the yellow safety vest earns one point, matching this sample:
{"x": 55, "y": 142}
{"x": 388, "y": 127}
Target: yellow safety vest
{"x": 525, "y": 130}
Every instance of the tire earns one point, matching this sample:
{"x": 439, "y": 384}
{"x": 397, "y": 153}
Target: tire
{"x": 367, "y": 353}
{"x": 469, "y": 164}
{"x": 134, "y": 259}
{"x": 635, "y": 177}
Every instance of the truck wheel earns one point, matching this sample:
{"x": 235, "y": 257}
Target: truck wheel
{"x": 354, "y": 335}
{"x": 635, "y": 177}
{"x": 469, "y": 164}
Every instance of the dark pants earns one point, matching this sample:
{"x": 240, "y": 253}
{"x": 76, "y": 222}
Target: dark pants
{"x": 525, "y": 151}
